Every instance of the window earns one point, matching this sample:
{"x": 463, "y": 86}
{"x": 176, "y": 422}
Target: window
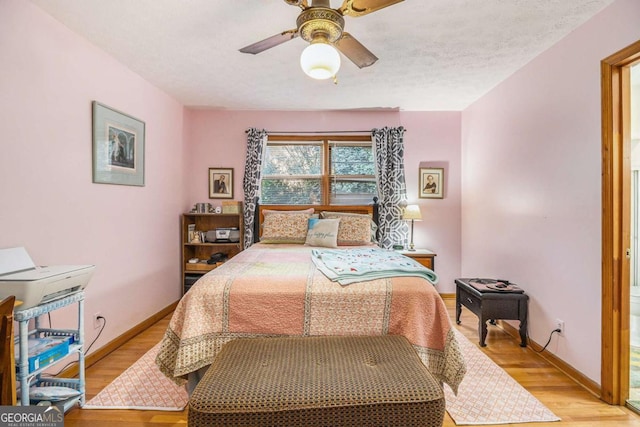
{"x": 302, "y": 170}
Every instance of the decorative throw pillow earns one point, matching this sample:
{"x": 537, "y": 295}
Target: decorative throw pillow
{"x": 323, "y": 232}
{"x": 374, "y": 226}
{"x": 354, "y": 229}
{"x": 285, "y": 228}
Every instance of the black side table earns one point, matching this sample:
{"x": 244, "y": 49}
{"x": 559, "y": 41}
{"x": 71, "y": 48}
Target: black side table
{"x": 489, "y": 302}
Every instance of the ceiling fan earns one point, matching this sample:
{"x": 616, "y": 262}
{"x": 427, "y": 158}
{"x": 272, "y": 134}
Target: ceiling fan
{"x": 323, "y": 28}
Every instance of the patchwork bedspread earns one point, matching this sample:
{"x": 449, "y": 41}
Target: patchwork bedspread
{"x": 276, "y": 290}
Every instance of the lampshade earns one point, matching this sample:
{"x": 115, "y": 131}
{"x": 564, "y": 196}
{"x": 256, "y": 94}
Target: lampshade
{"x": 320, "y": 61}
{"x": 412, "y": 212}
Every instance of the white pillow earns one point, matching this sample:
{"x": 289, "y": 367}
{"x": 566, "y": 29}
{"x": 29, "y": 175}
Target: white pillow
{"x": 323, "y": 232}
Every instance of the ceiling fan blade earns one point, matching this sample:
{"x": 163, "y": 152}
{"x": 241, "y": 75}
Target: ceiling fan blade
{"x": 270, "y": 42}
{"x": 355, "y": 51}
{"x": 364, "y": 7}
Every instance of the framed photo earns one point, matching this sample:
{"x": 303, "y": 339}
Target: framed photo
{"x": 431, "y": 185}
{"x": 118, "y": 147}
{"x": 221, "y": 183}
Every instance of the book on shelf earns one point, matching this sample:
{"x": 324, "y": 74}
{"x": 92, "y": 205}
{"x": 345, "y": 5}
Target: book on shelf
{"x": 191, "y": 229}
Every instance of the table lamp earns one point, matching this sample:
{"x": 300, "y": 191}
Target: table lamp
{"x": 412, "y": 212}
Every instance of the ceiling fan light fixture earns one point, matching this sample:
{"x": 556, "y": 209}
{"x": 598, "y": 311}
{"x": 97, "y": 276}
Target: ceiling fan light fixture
{"x": 320, "y": 61}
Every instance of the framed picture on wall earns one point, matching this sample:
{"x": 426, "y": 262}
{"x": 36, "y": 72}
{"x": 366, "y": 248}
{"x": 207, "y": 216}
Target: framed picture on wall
{"x": 221, "y": 183}
{"x": 431, "y": 185}
{"x": 118, "y": 147}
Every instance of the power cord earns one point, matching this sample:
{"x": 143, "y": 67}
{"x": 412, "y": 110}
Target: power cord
{"x": 104, "y": 324}
{"x": 548, "y": 341}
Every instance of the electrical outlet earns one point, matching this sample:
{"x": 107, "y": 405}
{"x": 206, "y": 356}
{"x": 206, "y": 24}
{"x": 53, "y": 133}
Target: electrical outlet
{"x": 97, "y": 320}
{"x": 560, "y": 325}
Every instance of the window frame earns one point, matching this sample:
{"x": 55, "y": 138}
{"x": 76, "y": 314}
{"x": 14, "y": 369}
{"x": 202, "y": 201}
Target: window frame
{"x": 325, "y": 142}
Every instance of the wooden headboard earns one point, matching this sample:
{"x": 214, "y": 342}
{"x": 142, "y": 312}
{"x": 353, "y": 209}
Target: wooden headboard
{"x": 370, "y": 209}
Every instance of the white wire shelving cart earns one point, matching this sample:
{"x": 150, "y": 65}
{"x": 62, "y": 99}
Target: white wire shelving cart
{"x": 28, "y": 377}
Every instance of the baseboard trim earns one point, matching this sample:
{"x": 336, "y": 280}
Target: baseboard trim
{"x": 112, "y": 345}
{"x": 587, "y": 383}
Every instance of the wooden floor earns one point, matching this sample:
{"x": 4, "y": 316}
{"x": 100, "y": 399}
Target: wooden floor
{"x": 569, "y": 401}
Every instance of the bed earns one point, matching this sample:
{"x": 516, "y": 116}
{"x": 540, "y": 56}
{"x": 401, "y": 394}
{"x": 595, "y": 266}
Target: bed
{"x": 274, "y": 288}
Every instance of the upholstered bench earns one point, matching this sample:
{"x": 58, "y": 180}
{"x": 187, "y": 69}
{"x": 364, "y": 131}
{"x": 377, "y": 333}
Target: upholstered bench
{"x": 317, "y": 381}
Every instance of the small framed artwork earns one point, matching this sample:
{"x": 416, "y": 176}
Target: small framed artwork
{"x": 431, "y": 183}
{"x": 118, "y": 147}
{"x": 220, "y": 183}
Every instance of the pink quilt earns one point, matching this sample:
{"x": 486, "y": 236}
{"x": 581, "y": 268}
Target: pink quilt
{"x": 276, "y": 290}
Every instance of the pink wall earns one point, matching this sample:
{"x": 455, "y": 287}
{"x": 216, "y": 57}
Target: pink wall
{"x": 532, "y": 184}
{"x": 218, "y": 139}
{"x": 529, "y": 152}
{"x": 49, "y": 204}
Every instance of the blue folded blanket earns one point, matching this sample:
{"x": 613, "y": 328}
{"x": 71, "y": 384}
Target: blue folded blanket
{"x": 347, "y": 266}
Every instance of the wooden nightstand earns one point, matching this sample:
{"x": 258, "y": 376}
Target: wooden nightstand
{"x": 423, "y": 256}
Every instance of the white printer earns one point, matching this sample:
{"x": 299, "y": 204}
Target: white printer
{"x": 33, "y": 285}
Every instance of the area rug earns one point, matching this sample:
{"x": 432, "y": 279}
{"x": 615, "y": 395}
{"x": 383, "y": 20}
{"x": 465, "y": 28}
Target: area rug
{"x": 487, "y": 395}
{"x": 141, "y": 386}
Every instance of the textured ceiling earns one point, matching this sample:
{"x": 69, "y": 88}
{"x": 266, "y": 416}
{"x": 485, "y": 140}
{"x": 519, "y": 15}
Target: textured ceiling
{"x": 434, "y": 54}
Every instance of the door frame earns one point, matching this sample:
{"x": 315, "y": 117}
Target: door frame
{"x": 616, "y": 222}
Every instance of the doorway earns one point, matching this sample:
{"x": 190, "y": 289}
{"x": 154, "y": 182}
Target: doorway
{"x": 616, "y": 223}
{"x": 634, "y": 323}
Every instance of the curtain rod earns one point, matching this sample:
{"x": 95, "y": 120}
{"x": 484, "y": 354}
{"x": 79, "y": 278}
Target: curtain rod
{"x": 271, "y": 132}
